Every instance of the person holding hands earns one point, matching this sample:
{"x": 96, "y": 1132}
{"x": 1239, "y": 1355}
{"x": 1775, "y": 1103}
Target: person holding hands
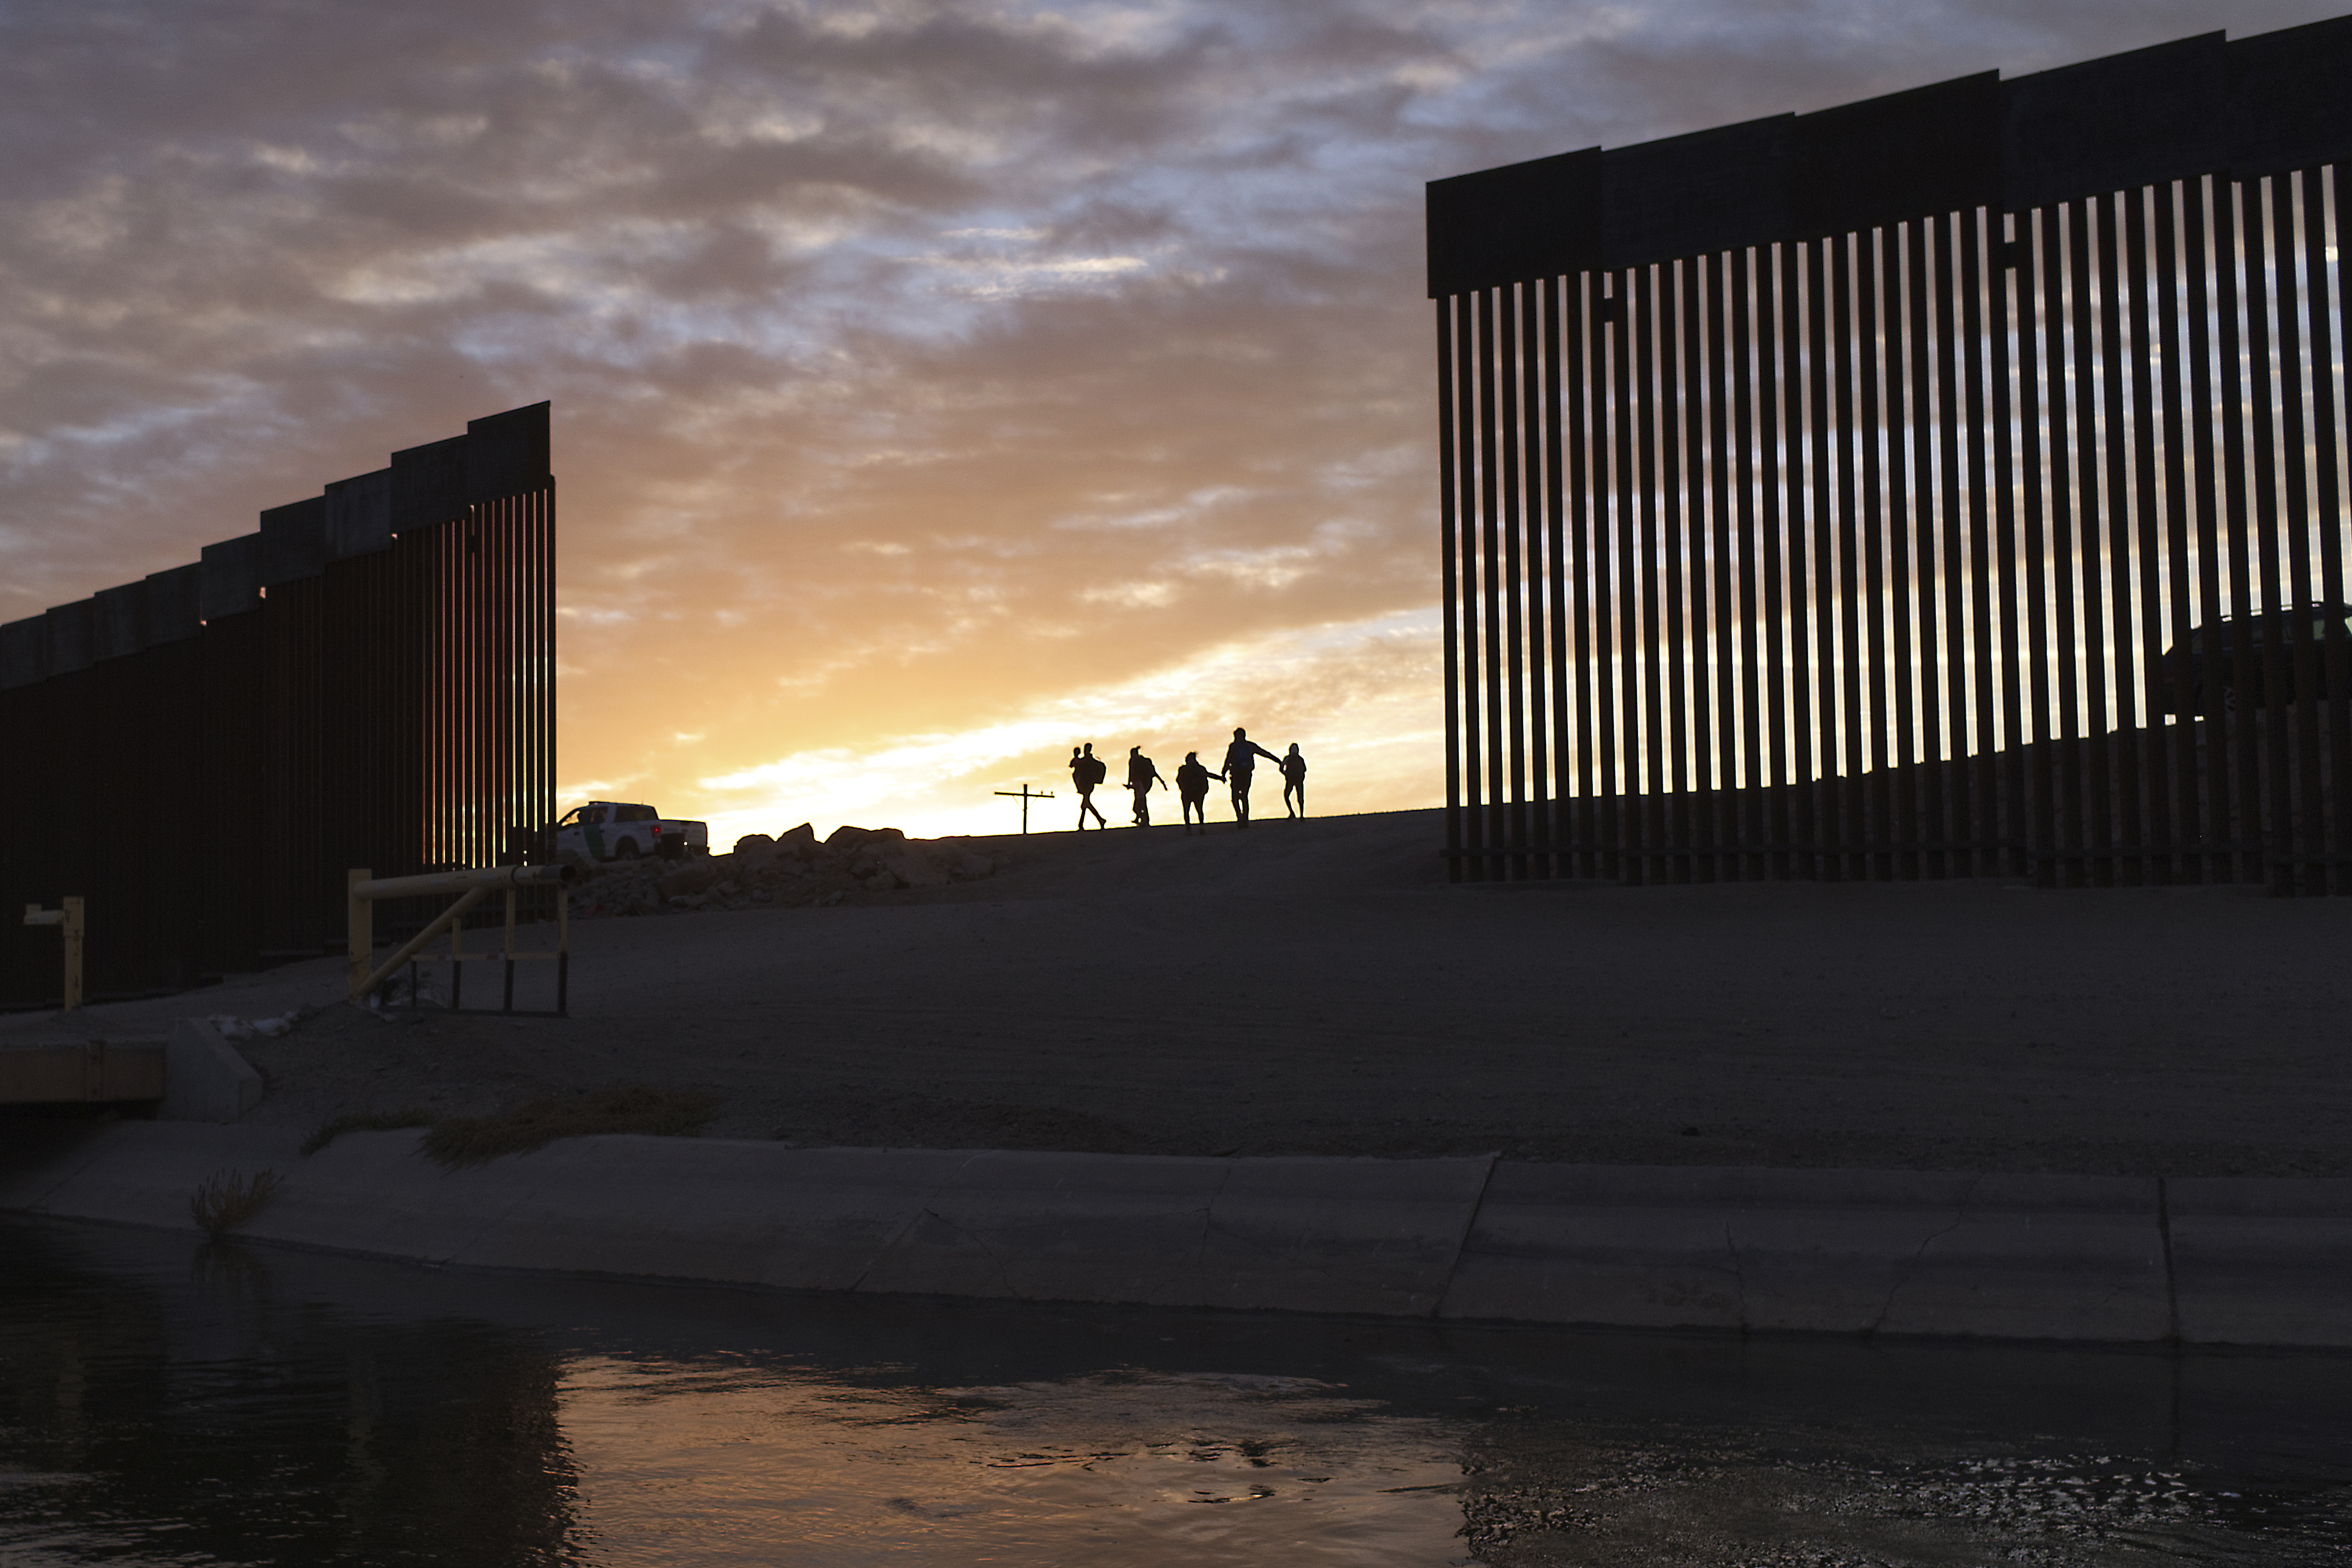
{"x": 1240, "y": 761}
{"x": 1193, "y": 790}
{"x": 1142, "y": 774}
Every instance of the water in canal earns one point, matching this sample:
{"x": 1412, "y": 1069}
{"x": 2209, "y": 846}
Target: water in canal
{"x": 167, "y": 1402}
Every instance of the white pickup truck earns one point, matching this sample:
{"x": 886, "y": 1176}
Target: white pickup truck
{"x": 611, "y": 830}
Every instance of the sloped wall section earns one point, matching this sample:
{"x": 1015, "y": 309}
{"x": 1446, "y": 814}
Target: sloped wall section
{"x": 367, "y": 679}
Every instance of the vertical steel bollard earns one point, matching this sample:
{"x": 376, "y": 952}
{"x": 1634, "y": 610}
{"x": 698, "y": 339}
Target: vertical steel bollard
{"x": 562, "y": 951}
{"x": 358, "y": 926}
{"x": 73, "y": 954}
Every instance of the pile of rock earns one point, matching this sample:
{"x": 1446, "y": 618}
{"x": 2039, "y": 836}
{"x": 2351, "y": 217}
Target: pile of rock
{"x": 791, "y": 870}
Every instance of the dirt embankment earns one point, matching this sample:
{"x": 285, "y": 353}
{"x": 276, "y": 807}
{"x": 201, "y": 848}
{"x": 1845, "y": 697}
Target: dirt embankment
{"x": 793, "y": 870}
{"x": 1315, "y": 987}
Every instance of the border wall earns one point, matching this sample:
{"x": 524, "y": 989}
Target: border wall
{"x": 1820, "y": 495}
{"x": 368, "y": 680}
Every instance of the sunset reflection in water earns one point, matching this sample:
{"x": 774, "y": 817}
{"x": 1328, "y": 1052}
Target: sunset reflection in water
{"x": 167, "y": 1401}
{"x": 713, "y": 1462}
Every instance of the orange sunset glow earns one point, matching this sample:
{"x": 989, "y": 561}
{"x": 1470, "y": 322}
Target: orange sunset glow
{"x": 936, "y": 386}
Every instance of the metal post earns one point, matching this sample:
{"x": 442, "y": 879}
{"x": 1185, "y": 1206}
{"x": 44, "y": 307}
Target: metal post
{"x": 475, "y": 886}
{"x": 70, "y": 919}
{"x": 417, "y": 944}
{"x": 1448, "y": 549}
{"x": 358, "y": 924}
{"x": 562, "y": 953}
{"x": 73, "y": 953}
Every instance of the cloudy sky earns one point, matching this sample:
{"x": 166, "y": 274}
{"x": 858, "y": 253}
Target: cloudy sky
{"x": 935, "y": 386}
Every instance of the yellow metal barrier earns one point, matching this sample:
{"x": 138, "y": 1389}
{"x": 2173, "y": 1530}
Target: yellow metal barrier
{"x": 69, "y": 917}
{"x": 472, "y": 887}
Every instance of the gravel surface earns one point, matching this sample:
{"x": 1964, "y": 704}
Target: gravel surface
{"x": 1315, "y": 987}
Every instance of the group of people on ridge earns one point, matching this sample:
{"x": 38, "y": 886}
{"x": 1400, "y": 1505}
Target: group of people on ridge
{"x": 1087, "y": 771}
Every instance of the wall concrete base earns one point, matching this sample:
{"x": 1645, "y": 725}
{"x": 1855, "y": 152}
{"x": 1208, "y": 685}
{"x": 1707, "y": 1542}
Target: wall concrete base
{"x": 1856, "y": 1252}
{"x": 204, "y": 1079}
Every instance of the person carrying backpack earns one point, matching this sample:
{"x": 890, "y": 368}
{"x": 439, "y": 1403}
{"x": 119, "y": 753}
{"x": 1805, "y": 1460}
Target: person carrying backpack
{"x": 1086, "y": 772}
{"x": 1240, "y": 761}
{"x": 1193, "y": 790}
{"x": 1142, "y": 774}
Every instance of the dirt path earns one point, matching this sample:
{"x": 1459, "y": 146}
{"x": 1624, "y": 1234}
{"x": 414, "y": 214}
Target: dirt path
{"x": 1315, "y": 987}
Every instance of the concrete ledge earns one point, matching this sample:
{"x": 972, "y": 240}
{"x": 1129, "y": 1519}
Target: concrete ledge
{"x": 740, "y": 1212}
{"x": 1303, "y": 1235}
{"x": 204, "y": 1078}
{"x": 85, "y": 1071}
{"x": 144, "y": 1173}
{"x": 2261, "y": 1261}
{"x": 2074, "y": 1258}
{"x": 1856, "y": 1252}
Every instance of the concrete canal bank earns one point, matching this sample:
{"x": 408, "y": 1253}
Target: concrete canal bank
{"x": 2201, "y": 1261}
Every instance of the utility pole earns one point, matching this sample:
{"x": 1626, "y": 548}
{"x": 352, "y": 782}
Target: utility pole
{"x": 1027, "y": 794}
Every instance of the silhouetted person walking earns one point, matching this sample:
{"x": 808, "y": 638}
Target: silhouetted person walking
{"x": 1294, "y": 781}
{"x": 1142, "y": 774}
{"x": 1193, "y": 790}
{"x": 1086, "y": 772}
{"x": 1240, "y": 761}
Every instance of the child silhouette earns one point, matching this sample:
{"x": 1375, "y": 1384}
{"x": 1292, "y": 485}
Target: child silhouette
{"x": 1193, "y": 790}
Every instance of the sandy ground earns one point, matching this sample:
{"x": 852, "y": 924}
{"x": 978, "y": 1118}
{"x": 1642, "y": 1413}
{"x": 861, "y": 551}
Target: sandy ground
{"x": 1315, "y": 987}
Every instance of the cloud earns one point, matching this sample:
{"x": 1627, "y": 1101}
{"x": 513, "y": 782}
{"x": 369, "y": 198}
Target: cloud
{"x": 919, "y": 369}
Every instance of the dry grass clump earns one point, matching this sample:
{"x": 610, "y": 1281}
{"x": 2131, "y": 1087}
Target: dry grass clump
{"x": 472, "y": 1140}
{"x": 226, "y": 1199}
{"x": 365, "y": 1121}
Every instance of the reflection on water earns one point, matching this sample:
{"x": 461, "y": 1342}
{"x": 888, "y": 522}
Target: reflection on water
{"x": 1126, "y": 1466}
{"x": 154, "y": 1414}
{"x": 1698, "y": 1499}
{"x": 167, "y": 1403}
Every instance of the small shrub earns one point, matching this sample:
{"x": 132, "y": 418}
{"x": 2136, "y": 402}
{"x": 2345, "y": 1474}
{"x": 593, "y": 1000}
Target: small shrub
{"x": 365, "y": 1121}
{"x": 226, "y": 1199}
{"x": 473, "y": 1139}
